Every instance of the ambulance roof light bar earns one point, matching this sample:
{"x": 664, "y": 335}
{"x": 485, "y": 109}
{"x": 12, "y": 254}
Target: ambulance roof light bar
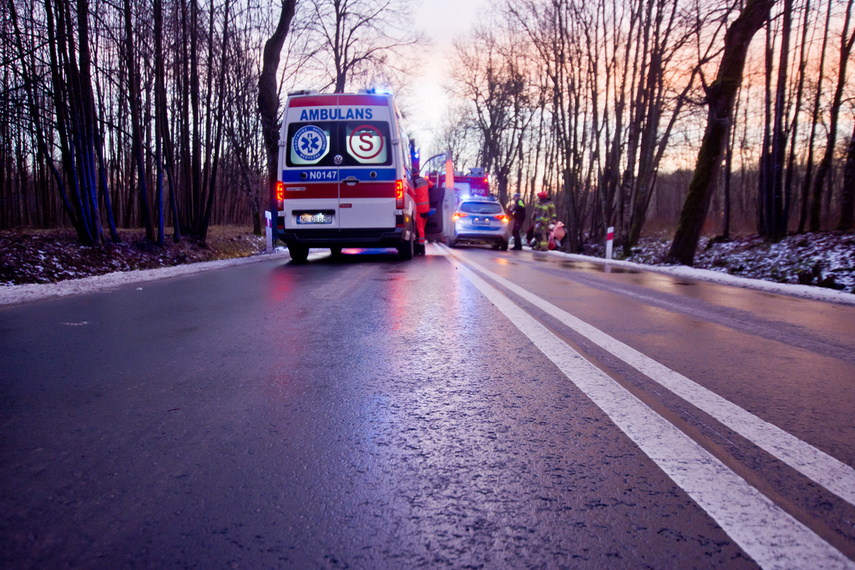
{"x": 375, "y": 91}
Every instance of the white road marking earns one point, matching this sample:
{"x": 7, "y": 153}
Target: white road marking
{"x": 772, "y": 537}
{"x": 831, "y": 473}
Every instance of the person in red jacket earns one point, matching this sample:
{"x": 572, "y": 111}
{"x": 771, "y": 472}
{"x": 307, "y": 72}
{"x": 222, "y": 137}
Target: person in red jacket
{"x": 422, "y": 187}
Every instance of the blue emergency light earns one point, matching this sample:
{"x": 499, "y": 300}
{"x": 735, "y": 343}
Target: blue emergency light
{"x": 376, "y": 91}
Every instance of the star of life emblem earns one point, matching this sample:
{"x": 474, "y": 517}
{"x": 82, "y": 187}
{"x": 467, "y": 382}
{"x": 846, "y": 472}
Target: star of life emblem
{"x": 310, "y": 143}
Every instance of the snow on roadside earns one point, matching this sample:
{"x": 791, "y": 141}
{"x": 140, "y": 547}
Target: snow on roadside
{"x": 819, "y": 265}
{"x": 791, "y": 289}
{"x": 13, "y": 294}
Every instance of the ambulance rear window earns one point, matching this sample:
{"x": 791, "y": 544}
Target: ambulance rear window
{"x": 309, "y": 144}
{"x": 339, "y": 143}
{"x": 367, "y": 142}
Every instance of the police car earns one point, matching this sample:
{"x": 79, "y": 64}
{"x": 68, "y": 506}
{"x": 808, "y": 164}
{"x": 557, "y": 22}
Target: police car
{"x": 481, "y": 220}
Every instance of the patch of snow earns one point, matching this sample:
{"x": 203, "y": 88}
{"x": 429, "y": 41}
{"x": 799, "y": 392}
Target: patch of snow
{"x": 792, "y": 289}
{"x": 13, "y": 294}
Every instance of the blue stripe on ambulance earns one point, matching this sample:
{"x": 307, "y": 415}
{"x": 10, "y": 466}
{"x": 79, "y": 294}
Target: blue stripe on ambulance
{"x": 364, "y": 173}
{"x": 312, "y": 175}
{"x": 337, "y": 174}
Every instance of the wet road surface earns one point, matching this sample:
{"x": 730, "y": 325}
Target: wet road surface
{"x": 365, "y": 412}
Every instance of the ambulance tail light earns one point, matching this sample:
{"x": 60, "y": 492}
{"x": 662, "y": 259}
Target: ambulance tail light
{"x": 280, "y": 195}
{"x": 399, "y": 194}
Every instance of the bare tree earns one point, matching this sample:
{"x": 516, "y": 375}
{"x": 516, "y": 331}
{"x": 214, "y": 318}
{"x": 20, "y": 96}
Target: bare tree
{"x": 721, "y": 95}
{"x": 133, "y": 94}
{"x": 455, "y": 135}
{"x": 847, "y": 199}
{"x": 356, "y": 38}
{"x": 491, "y": 76}
{"x": 138, "y": 104}
{"x": 775, "y": 216}
{"x": 806, "y": 185}
{"x": 824, "y": 168}
{"x": 794, "y": 131}
{"x": 268, "y": 98}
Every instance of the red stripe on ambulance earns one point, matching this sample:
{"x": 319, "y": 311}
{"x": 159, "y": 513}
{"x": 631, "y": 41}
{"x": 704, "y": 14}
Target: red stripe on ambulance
{"x": 369, "y": 190}
{"x": 312, "y": 191}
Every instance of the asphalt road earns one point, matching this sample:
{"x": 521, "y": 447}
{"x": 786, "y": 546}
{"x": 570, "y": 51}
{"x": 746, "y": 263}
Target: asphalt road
{"x": 469, "y": 408}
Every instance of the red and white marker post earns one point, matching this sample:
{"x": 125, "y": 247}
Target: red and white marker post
{"x": 610, "y": 238}
{"x": 269, "y": 231}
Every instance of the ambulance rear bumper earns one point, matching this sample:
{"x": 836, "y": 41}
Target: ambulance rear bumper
{"x": 380, "y": 237}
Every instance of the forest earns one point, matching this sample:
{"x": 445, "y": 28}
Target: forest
{"x": 687, "y": 116}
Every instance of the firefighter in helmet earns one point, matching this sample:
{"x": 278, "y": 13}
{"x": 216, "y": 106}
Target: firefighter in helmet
{"x": 544, "y": 213}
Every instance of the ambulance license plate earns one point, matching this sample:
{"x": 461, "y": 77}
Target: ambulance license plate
{"x": 314, "y": 218}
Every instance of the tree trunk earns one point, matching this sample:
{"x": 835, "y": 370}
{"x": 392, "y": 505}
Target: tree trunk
{"x": 777, "y": 218}
{"x": 136, "y": 127}
{"x": 814, "y": 121}
{"x": 765, "y": 178}
{"x": 196, "y": 136}
{"x": 847, "y": 197}
{"x": 791, "y": 163}
{"x": 824, "y": 168}
{"x": 206, "y": 217}
{"x": 720, "y": 97}
{"x": 159, "y": 112}
{"x": 166, "y": 160}
{"x": 268, "y": 101}
{"x": 34, "y": 110}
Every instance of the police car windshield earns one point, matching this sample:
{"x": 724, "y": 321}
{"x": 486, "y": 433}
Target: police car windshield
{"x": 481, "y": 208}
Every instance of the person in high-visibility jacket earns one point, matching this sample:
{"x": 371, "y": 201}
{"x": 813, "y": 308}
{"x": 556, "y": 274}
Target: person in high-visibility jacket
{"x": 422, "y": 188}
{"x": 517, "y": 212}
{"x": 544, "y": 213}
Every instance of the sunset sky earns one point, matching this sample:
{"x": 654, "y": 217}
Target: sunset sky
{"x": 443, "y": 21}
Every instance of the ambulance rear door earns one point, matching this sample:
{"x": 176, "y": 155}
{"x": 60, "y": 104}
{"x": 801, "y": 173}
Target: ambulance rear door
{"x": 368, "y": 162}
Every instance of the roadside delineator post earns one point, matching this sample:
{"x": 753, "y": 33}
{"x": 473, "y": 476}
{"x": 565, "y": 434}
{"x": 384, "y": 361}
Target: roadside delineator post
{"x": 610, "y": 238}
{"x": 269, "y": 231}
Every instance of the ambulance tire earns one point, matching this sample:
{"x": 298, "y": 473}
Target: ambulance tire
{"x": 299, "y": 253}
{"x": 335, "y": 251}
{"x": 406, "y": 250}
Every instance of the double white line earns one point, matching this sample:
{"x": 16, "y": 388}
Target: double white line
{"x": 772, "y": 537}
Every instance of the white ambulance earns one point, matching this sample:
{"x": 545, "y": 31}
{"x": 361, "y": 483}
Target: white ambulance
{"x": 344, "y": 174}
